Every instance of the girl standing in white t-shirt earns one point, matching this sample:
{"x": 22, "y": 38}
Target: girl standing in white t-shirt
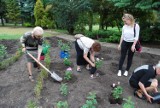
{"x": 128, "y": 42}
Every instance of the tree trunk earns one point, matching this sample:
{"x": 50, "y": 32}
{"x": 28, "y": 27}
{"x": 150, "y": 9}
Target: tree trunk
{"x": 2, "y": 21}
{"x": 101, "y": 25}
{"x": 90, "y": 20}
{"x": 117, "y": 26}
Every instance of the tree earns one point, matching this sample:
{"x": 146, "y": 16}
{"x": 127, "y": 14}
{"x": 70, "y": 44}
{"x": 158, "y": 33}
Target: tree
{"x": 2, "y": 10}
{"x": 38, "y": 12}
{"x": 67, "y": 11}
{"x": 13, "y": 10}
{"x": 27, "y": 11}
{"x": 145, "y": 13}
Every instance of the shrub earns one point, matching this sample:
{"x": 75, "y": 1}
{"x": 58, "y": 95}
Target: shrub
{"x": 114, "y": 38}
{"x": 27, "y": 24}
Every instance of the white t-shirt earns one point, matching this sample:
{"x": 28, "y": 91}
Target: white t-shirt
{"x": 128, "y": 33}
{"x": 85, "y": 43}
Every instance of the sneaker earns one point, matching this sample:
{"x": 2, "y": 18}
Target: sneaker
{"x": 125, "y": 73}
{"x": 31, "y": 78}
{"x": 119, "y": 73}
{"x": 92, "y": 76}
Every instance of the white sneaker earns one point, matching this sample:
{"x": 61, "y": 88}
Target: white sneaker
{"x": 119, "y": 73}
{"x": 125, "y": 73}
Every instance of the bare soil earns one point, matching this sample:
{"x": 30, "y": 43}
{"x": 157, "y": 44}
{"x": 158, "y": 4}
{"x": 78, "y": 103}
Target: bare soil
{"x": 16, "y": 89}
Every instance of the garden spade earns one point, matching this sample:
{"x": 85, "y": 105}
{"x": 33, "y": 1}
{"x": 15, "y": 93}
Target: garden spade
{"x": 53, "y": 74}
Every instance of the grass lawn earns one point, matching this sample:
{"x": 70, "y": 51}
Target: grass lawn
{"x": 16, "y": 32}
{"x": 96, "y": 27}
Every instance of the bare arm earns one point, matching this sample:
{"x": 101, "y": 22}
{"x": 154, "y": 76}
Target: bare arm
{"x": 141, "y": 85}
{"x": 39, "y": 51}
{"x": 88, "y": 60}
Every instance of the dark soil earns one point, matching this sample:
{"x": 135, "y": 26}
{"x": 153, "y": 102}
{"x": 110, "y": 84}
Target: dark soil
{"x": 16, "y": 89}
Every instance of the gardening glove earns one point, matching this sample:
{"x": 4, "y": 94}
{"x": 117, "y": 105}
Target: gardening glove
{"x": 93, "y": 70}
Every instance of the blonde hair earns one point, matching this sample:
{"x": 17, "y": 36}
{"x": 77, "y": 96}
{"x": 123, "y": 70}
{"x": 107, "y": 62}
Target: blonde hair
{"x": 130, "y": 17}
{"x": 37, "y": 31}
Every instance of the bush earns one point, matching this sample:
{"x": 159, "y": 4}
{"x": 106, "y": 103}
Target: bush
{"x": 114, "y": 38}
{"x": 97, "y": 34}
{"x": 103, "y": 35}
{"x": 27, "y": 24}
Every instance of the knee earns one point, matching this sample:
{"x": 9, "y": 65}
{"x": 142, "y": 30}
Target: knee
{"x": 154, "y": 83}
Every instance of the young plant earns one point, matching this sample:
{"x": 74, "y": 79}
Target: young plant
{"x": 68, "y": 75}
{"x": 66, "y": 62}
{"x": 62, "y": 104}
{"x": 117, "y": 91}
{"x": 64, "y": 89}
{"x": 63, "y": 46}
{"x": 3, "y": 52}
{"x": 128, "y": 103}
{"x": 91, "y": 101}
{"x": 31, "y": 104}
{"x": 38, "y": 88}
{"x": 99, "y": 62}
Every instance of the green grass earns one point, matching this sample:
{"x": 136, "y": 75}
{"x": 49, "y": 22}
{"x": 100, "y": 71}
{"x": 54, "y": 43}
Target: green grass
{"x": 96, "y": 27}
{"x": 17, "y": 32}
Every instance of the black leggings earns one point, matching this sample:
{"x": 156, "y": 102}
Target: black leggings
{"x": 79, "y": 57}
{"x": 126, "y": 47}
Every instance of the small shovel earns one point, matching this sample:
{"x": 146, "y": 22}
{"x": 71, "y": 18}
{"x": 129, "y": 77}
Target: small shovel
{"x": 53, "y": 74}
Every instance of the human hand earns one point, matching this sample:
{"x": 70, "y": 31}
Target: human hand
{"x": 149, "y": 98}
{"x": 133, "y": 48}
{"x": 119, "y": 47}
{"x": 38, "y": 59}
{"x": 93, "y": 65}
{"x": 23, "y": 49}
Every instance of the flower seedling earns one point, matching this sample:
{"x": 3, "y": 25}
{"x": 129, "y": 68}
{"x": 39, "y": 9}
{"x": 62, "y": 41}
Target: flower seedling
{"x": 128, "y": 103}
{"x": 3, "y": 51}
{"x": 68, "y": 75}
{"x": 66, "y": 61}
{"x": 117, "y": 92}
{"x": 99, "y": 62}
{"x": 63, "y": 46}
{"x": 64, "y": 89}
{"x": 91, "y": 101}
{"x": 62, "y": 104}
{"x": 31, "y": 104}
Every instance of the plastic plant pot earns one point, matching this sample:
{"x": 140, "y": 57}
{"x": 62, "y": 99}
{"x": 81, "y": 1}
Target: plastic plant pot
{"x": 156, "y": 98}
{"x": 42, "y": 57}
{"x": 64, "y": 54}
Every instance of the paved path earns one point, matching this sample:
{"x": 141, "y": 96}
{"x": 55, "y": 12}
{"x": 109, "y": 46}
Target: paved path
{"x": 155, "y": 51}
